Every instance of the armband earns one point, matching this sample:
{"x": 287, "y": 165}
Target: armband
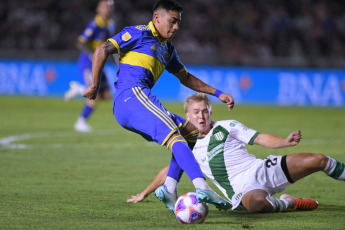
{"x": 217, "y": 93}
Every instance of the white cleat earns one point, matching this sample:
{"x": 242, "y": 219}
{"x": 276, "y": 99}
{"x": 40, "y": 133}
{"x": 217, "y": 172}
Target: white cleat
{"x": 75, "y": 89}
{"x": 82, "y": 126}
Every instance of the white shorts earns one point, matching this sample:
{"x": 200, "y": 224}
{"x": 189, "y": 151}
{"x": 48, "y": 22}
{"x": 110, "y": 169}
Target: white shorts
{"x": 267, "y": 174}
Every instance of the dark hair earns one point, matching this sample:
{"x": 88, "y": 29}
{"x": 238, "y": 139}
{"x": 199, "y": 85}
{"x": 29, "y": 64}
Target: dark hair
{"x": 167, "y": 5}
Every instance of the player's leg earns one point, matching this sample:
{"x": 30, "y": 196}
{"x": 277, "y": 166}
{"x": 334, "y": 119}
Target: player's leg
{"x": 85, "y": 78}
{"x": 190, "y": 133}
{"x": 104, "y": 93}
{"x": 187, "y": 162}
{"x": 81, "y": 125}
{"x": 167, "y": 192}
{"x": 75, "y": 89}
{"x": 259, "y": 200}
{"x": 301, "y": 165}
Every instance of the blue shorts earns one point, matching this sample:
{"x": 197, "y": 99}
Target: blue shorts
{"x": 84, "y": 68}
{"x": 139, "y": 110}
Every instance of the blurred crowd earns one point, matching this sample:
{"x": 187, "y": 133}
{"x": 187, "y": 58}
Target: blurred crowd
{"x": 227, "y": 31}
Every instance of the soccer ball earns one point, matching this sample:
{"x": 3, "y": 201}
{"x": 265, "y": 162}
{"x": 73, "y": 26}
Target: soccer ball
{"x": 189, "y": 211}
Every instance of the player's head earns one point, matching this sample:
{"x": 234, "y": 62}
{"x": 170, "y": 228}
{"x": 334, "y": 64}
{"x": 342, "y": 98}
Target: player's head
{"x": 198, "y": 110}
{"x": 166, "y": 17}
{"x": 105, "y": 8}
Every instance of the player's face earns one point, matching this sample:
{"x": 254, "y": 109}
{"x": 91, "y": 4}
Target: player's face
{"x": 200, "y": 115}
{"x": 105, "y": 9}
{"x": 167, "y": 23}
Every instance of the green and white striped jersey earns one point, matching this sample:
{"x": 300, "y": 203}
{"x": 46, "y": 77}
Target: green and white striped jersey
{"x": 222, "y": 154}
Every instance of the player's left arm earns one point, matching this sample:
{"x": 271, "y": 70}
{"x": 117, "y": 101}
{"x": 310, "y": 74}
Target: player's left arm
{"x": 194, "y": 83}
{"x": 98, "y": 62}
{"x": 271, "y": 141}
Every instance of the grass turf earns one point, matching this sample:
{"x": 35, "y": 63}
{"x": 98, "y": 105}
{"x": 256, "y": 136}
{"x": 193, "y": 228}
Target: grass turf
{"x": 54, "y": 178}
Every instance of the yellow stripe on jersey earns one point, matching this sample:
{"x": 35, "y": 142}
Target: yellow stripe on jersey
{"x": 174, "y": 140}
{"x": 147, "y": 103}
{"x": 115, "y": 44}
{"x": 143, "y": 60}
{"x": 93, "y": 45}
{"x": 192, "y": 136}
{"x": 142, "y": 102}
{"x": 168, "y": 136}
{"x": 182, "y": 126}
{"x": 156, "y": 108}
{"x": 100, "y": 22}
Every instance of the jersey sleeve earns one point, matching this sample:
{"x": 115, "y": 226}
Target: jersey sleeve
{"x": 88, "y": 33}
{"x": 125, "y": 40}
{"x": 241, "y": 132}
{"x": 174, "y": 65}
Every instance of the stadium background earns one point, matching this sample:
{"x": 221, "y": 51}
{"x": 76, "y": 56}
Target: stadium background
{"x": 296, "y": 49}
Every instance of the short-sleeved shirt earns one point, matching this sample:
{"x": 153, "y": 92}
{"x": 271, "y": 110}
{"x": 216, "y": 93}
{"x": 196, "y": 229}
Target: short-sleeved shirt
{"x": 95, "y": 33}
{"x": 143, "y": 57}
{"x": 222, "y": 153}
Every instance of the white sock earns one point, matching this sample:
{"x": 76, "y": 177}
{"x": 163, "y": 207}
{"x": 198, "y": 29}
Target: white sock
{"x": 171, "y": 185}
{"x": 280, "y": 205}
{"x": 201, "y": 183}
{"x": 335, "y": 169}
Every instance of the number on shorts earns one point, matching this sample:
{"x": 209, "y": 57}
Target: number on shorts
{"x": 270, "y": 162}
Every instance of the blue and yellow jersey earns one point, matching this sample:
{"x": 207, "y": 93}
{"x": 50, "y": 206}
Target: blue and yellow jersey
{"x": 96, "y": 32}
{"x": 143, "y": 57}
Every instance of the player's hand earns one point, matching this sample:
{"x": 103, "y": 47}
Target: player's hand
{"x": 294, "y": 138}
{"x": 227, "y": 98}
{"x": 136, "y": 199}
{"x": 91, "y": 93}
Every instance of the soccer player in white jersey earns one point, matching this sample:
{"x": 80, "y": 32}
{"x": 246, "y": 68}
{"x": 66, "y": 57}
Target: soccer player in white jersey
{"x": 246, "y": 181}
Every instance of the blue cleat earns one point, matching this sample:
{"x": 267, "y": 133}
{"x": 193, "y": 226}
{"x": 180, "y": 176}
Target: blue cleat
{"x": 163, "y": 195}
{"x": 207, "y": 196}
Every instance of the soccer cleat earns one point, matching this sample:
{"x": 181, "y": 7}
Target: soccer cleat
{"x": 163, "y": 195}
{"x": 75, "y": 89}
{"x": 207, "y": 196}
{"x": 82, "y": 126}
{"x": 302, "y": 203}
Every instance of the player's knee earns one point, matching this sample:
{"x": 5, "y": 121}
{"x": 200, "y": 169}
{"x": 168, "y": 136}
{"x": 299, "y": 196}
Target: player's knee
{"x": 320, "y": 160}
{"x": 259, "y": 204}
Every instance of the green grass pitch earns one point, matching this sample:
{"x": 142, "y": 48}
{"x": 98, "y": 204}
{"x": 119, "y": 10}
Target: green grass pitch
{"x": 54, "y": 178}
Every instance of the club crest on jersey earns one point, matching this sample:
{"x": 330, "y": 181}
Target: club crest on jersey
{"x": 126, "y": 36}
{"x": 219, "y": 136}
{"x": 153, "y": 47}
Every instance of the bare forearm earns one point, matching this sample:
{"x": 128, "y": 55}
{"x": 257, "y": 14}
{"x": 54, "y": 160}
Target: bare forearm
{"x": 273, "y": 142}
{"x": 270, "y": 141}
{"x": 196, "y": 84}
{"x": 98, "y": 61}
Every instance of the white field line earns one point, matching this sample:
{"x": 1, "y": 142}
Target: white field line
{"x": 8, "y": 142}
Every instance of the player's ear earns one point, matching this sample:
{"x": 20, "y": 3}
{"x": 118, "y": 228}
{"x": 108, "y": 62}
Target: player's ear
{"x": 156, "y": 16}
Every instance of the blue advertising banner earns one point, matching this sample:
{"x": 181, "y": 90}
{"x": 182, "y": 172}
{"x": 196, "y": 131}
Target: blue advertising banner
{"x": 272, "y": 86}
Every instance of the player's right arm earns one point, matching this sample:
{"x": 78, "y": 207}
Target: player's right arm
{"x": 98, "y": 61}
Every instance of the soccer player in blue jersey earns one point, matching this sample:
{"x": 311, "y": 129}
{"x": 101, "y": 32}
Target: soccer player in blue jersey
{"x": 96, "y": 32}
{"x": 145, "y": 51}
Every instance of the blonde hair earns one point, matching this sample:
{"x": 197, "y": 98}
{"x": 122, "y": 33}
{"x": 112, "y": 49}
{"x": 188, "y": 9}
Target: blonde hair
{"x": 197, "y": 97}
